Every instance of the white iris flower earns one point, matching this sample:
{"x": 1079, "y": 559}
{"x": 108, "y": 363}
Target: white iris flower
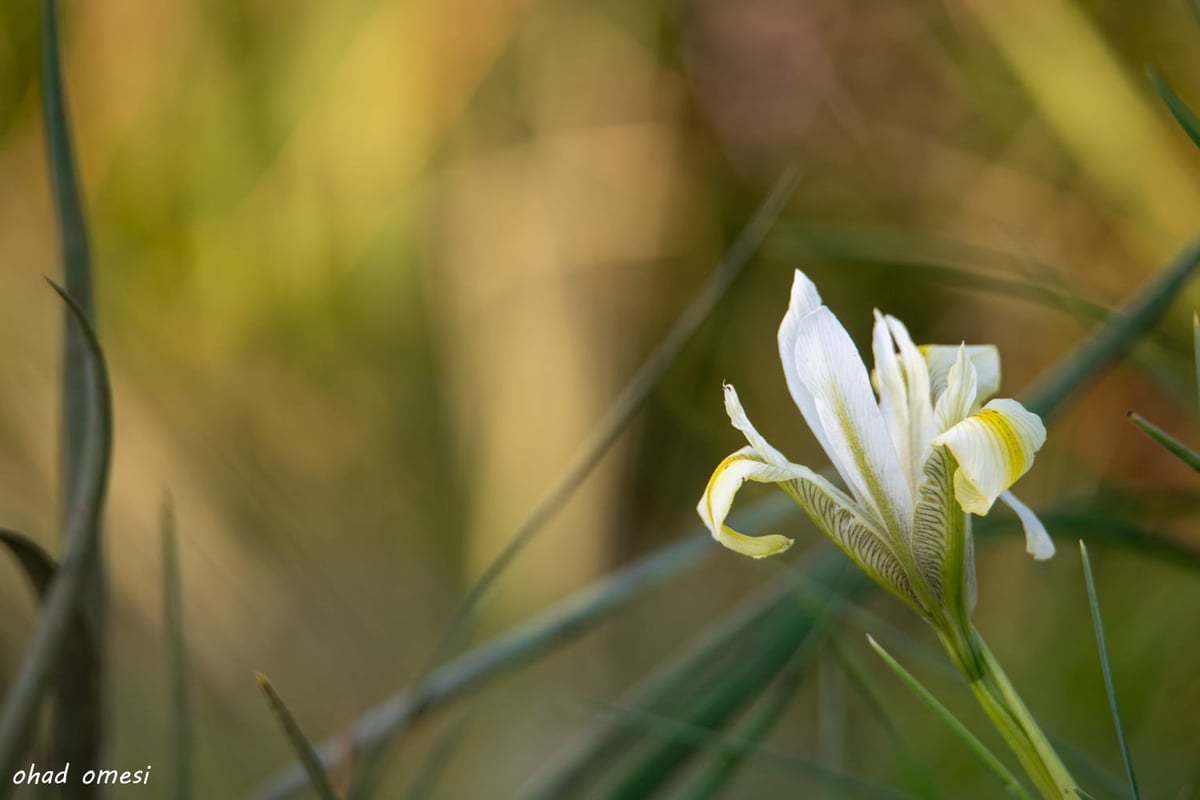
{"x": 917, "y": 461}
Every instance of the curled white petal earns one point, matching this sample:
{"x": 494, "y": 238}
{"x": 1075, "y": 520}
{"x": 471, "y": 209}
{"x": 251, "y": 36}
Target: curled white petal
{"x": 993, "y": 448}
{"x": 723, "y": 486}
{"x": 1037, "y": 541}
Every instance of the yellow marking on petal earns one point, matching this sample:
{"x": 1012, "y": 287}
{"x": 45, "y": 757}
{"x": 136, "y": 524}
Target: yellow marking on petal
{"x": 754, "y": 546}
{"x": 1013, "y": 445}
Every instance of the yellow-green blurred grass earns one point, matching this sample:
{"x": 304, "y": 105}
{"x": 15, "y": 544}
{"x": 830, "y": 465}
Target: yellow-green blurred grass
{"x": 369, "y": 271}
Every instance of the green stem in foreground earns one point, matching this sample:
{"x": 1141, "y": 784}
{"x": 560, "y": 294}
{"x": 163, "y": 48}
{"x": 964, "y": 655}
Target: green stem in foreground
{"x": 1008, "y": 712}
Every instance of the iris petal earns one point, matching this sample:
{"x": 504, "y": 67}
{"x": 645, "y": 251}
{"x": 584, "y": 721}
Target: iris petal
{"x": 993, "y": 448}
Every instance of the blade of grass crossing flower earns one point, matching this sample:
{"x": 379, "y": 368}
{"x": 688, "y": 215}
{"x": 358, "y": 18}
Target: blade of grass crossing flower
{"x": 849, "y": 786}
{"x": 179, "y": 738}
{"x": 527, "y": 641}
{"x": 1106, "y": 668}
{"x": 1084, "y": 364}
{"x": 626, "y": 404}
{"x": 45, "y": 651}
{"x": 976, "y": 747}
{"x": 1184, "y": 115}
{"x": 317, "y": 778}
{"x": 1177, "y": 448}
{"x": 78, "y": 712}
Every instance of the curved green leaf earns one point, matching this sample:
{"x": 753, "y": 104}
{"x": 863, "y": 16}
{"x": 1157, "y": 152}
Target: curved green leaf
{"x": 38, "y": 565}
{"x": 45, "y": 652}
{"x": 1184, "y": 115}
{"x": 77, "y": 726}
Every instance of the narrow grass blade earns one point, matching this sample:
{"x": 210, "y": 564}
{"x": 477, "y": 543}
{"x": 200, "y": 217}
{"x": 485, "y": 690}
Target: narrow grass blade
{"x": 1106, "y": 668}
{"x": 1177, "y": 448}
{"x": 37, "y": 564}
{"x": 179, "y": 737}
{"x": 77, "y": 726}
{"x": 618, "y": 416}
{"x": 724, "y": 767}
{"x": 919, "y": 778}
{"x": 541, "y": 634}
{"x": 1184, "y": 115}
{"x": 45, "y": 651}
{"x": 1087, "y": 362}
{"x": 317, "y": 778}
{"x": 846, "y": 785}
{"x": 78, "y": 647}
{"x": 977, "y": 748}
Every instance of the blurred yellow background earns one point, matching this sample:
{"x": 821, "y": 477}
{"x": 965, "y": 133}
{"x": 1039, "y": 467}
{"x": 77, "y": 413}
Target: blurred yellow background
{"x": 369, "y": 273}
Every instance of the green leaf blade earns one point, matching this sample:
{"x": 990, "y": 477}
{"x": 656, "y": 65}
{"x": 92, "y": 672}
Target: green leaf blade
{"x": 76, "y": 735}
{"x": 960, "y": 731}
{"x": 1180, "y": 110}
{"x": 51, "y": 638}
{"x": 179, "y": 737}
{"x": 317, "y": 777}
{"x": 1177, "y": 448}
{"x": 1106, "y": 668}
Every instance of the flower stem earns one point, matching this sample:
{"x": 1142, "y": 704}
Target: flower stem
{"x": 1008, "y": 712}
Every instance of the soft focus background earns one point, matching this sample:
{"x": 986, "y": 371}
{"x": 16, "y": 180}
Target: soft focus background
{"x": 369, "y": 273}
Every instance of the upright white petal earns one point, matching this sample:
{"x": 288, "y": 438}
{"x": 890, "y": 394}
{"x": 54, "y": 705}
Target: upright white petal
{"x": 893, "y": 394}
{"x": 804, "y": 300}
{"x": 957, "y": 401}
{"x": 1037, "y": 541}
{"x": 993, "y": 448}
{"x": 737, "y": 415}
{"x": 941, "y": 358}
{"x": 857, "y": 441}
{"x": 920, "y": 407}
